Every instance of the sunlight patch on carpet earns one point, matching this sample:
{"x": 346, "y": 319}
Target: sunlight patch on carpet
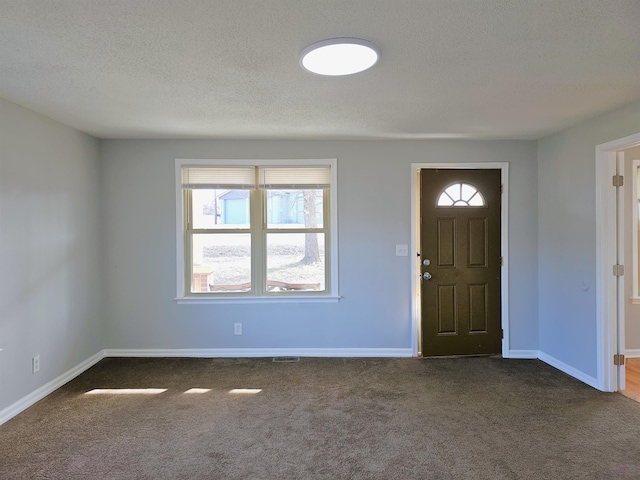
{"x": 197, "y": 390}
{"x": 245, "y": 391}
{"x": 126, "y": 391}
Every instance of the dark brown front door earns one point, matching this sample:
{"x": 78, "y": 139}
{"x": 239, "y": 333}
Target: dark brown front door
{"x": 460, "y": 241}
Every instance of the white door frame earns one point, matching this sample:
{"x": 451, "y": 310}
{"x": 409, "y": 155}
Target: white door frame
{"x": 635, "y": 165}
{"x": 415, "y": 245}
{"x": 609, "y": 252}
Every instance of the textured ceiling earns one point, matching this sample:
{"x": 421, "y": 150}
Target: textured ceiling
{"x": 213, "y": 68}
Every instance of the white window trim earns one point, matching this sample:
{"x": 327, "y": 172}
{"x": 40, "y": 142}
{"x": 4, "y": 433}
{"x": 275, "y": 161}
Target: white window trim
{"x": 330, "y": 296}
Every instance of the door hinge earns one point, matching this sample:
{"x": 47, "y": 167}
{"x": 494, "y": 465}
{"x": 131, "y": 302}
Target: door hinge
{"x": 501, "y": 261}
{"x": 618, "y": 359}
{"x": 618, "y": 180}
{"x": 502, "y": 333}
{"x": 618, "y": 270}
{"x": 501, "y": 189}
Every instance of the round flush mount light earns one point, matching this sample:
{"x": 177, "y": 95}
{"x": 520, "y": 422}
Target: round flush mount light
{"x": 339, "y": 56}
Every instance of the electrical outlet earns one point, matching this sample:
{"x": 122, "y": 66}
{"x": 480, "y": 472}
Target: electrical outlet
{"x": 237, "y": 329}
{"x": 402, "y": 250}
{"x": 35, "y": 364}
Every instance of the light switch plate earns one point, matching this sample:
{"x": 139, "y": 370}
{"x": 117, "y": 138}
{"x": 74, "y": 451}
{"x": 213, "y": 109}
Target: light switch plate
{"x": 402, "y": 250}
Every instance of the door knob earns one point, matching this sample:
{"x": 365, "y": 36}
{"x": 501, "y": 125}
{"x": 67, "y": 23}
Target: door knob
{"x": 426, "y": 276}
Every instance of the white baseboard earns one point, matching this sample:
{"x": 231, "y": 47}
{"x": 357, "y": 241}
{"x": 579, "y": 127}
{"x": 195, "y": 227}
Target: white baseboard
{"x": 37, "y": 395}
{"x": 569, "y": 370}
{"x": 632, "y": 352}
{"x": 522, "y": 354}
{"x": 261, "y": 352}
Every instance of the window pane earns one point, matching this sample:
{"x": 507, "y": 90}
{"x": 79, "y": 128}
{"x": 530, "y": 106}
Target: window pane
{"x": 476, "y": 200}
{"x": 221, "y": 262}
{"x": 445, "y": 200}
{"x": 461, "y": 195}
{"x": 295, "y": 261}
{"x": 294, "y": 208}
{"x": 467, "y": 191}
{"x": 219, "y": 208}
{"x": 454, "y": 192}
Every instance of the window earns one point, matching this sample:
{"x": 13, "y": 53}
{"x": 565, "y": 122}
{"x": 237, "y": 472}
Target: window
{"x": 256, "y": 231}
{"x": 461, "y": 195}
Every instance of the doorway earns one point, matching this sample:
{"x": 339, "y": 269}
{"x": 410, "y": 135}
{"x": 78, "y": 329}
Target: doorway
{"x": 610, "y": 253}
{"x": 630, "y": 169}
{"x": 460, "y": 256}
{"x": 468, "y": 316}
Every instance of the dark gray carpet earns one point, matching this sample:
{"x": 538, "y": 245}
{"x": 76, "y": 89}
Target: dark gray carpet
{"x": 470, "y": 418}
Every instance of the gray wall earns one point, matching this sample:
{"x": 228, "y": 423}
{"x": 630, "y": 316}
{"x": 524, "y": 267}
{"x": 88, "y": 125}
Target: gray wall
{"x": 567, "y": 236}
{"x": 374, "y": 178}
{"x": 49, "y": 250}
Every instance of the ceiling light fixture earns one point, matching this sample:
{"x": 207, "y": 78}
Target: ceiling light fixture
{"x": 339, "y": 56}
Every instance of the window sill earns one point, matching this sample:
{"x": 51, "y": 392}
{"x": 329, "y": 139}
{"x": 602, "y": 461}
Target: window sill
{"x": 262, "y": 299}
{"x": 635, "y": 300}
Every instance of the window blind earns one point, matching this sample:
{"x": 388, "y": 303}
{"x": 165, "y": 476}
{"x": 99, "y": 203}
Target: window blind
{"x": 231, "y": 178}
{"x": 282, "y": 178}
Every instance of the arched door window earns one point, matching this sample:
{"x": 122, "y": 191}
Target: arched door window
{"x": 461, "y": 195}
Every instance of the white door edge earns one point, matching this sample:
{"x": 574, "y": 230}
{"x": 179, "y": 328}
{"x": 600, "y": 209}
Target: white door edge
{"x": 621, "y": 371}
